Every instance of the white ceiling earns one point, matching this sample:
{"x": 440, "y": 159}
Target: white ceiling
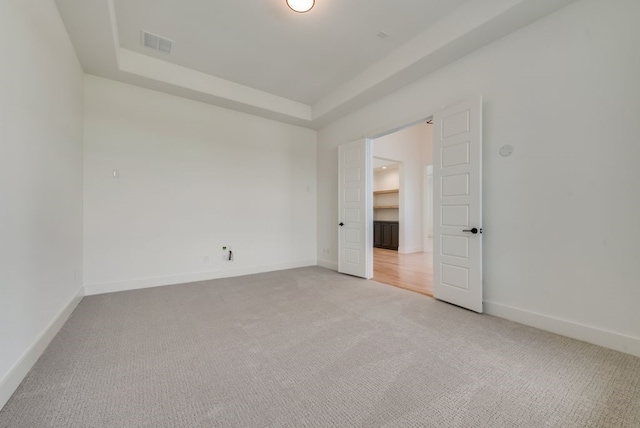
{"x": 259, "y": 57}
{"x": 379, "y": 164}
{"x": 264, "y": 45}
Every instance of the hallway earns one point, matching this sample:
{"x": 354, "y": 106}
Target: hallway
{"x": 412, "y": 272}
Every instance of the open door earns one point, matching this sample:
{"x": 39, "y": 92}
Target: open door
{"x": 457, "y": 205}
{"x": 355, "y": 223}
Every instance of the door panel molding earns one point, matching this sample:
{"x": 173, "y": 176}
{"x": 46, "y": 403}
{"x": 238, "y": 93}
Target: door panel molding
{"x": 457, "y": 205}
{"x": 355, "y": 212}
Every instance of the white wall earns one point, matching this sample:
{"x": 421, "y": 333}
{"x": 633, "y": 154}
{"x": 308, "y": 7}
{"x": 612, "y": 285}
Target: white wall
{"x": 561, "y": 214}
{"x": 387, "y": 179}
{"x": 425, "y": 132}
{"x": 40, "y": 183}
{"x": 193, "y": 177}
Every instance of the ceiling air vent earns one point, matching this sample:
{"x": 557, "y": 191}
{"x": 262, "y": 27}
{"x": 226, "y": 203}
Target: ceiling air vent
{"x": 156, "y": 42}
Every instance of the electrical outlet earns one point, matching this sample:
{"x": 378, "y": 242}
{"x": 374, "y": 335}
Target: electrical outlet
{"x": 227, "y": 253}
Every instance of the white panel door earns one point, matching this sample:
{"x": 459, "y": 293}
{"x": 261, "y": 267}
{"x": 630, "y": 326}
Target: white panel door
{"x": 355, "y": 223}
{"x": 457, "y": 205}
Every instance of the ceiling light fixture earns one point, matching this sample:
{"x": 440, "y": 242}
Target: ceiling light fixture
{"x": 301, "y": 6}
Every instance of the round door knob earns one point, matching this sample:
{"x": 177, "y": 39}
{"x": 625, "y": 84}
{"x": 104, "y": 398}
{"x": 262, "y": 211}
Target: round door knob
{"x": 341, "y": 224}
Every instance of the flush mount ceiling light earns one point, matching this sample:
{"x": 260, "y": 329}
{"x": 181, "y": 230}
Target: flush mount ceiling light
{"x": 301, "y": 6}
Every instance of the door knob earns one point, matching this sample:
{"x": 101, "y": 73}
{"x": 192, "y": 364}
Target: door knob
{"x": 341, "y": 224}
{"x": 474, "y": 230}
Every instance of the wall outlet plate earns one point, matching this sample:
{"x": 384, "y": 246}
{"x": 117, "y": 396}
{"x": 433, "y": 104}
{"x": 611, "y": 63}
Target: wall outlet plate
{"x": 226, "y": 250}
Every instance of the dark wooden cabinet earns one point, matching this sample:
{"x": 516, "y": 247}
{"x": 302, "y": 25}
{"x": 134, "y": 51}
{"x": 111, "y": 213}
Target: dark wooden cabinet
{"x": 377, "y": 238}
{"x": 385, "y": 234}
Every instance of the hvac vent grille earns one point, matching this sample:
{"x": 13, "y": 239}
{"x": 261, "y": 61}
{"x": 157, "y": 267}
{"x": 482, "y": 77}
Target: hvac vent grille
{"x": 156, "y": 42}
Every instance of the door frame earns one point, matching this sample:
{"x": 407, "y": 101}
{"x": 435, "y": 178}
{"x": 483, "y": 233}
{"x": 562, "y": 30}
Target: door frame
{"x": 369, "y": 183}
{"x": 427, "y": 206}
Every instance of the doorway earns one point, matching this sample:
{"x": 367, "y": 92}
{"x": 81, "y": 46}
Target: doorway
{"x": 402, "y": 221}
{"x": 457, "y": 204}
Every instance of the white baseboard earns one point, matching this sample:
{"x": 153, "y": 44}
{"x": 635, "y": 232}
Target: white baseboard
{"x": 21, "y": 368}
{"x": 608, "y": 339}
{"x": 410, "y": 250}
{"x": 135, "y": 284}
{"x": 328, "y": 264}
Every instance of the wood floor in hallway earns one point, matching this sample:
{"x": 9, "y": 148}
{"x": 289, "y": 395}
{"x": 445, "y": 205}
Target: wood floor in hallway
{"x": 412, "y": 272}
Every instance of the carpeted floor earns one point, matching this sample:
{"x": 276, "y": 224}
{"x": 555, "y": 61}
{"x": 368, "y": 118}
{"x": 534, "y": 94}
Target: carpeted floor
{"x": 312, "y": 348}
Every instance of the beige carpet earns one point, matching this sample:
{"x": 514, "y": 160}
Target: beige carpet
{"x": 312, "y": 348}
